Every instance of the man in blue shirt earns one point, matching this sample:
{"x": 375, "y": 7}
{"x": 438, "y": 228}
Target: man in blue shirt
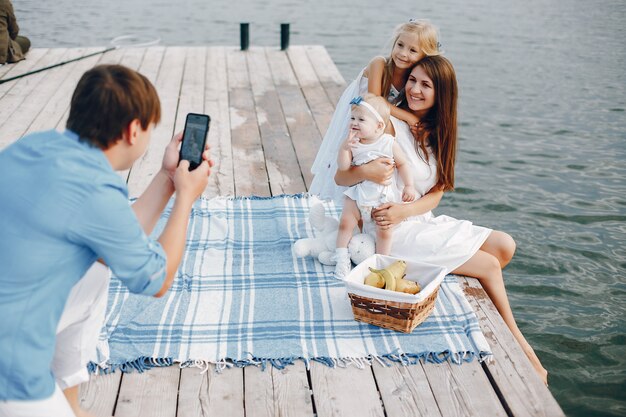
{"x": 62, "y": 207}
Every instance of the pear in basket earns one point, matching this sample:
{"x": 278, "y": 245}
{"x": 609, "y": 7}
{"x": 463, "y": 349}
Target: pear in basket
{"x": 392, "y": 278}
{"x": 375, "y": 280}
{"x": 409, "y": 287}
{"x": 388, "y": 276}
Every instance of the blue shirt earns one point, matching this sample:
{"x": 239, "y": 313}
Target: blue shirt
{"x": 62, "y": 206}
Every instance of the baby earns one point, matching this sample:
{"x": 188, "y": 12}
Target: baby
{"x": 367, "y": 141}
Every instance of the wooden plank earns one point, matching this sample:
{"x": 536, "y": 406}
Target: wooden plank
{"x": 11, "y": 70}
{"x": 168, "y": 85}
{"x": 56, "y": 107}
{"x": 216, "y": 105}
{"x": 35, "y": 102}
{"x": 250, "y": 173}
{"x": 280, "y": 157}
{"x": 111, "y": 57}
{"x": 192, "y": 89}
{"x": 153, "y": 393}
{"x": 319, "y": 103}
{"x": 278, "y": 392}
{"x": 405, "y": 391}
{"x": 99, "y": 394}
{"x": 14, "y": 92}
{"x": 133, "y": 57}
{"x": 210, "y": 393}
{"x": 304, "y": 133}
{"x": 463, "y": 390}
{"x": 326, "y": 71}
{"x": 344, "y": 391}
{"x": 521, "y": 387}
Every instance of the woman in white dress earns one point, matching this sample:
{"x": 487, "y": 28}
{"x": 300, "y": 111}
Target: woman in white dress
{"x": 465, "y": 249}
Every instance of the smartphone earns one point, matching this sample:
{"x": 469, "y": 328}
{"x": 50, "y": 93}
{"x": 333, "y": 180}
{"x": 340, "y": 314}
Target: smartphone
{"x": 194, "y": 139}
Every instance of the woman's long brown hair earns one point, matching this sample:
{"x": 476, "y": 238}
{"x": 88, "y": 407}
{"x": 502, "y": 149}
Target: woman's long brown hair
{"x": 438, "y": 129}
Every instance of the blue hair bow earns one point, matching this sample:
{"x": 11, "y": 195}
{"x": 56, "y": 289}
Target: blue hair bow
{"x": 357, "y": 100}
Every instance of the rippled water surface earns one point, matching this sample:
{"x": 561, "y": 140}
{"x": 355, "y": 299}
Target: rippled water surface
{"x": 542, "y": 151}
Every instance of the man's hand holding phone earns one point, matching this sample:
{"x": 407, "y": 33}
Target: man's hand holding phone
{"x": 171, "y": 158}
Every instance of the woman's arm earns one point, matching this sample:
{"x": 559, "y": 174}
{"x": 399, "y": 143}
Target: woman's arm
{"x": 405, "y": 115}
{"x": 379, "y": 171}
{"x": 390, "y": 214}
{"x": 404, "y": 169}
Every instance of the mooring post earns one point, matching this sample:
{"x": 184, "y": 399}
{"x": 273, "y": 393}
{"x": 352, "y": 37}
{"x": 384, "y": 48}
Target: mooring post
{"x": 284, "y": 36}
{"x": 244, "y": 35}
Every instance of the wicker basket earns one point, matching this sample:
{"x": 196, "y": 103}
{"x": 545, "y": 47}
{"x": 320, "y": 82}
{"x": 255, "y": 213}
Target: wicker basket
{"x": 403, "y": 317}
{"x": 389, "y": 309}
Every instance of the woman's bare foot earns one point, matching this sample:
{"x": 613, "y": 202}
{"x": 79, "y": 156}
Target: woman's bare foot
{"x": 535, "y": 362}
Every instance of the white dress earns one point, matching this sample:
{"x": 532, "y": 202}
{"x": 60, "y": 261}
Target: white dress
{"x": 368, "y": 194}
{"x": 439, "y": 240}
{"x": 325, "y": 164}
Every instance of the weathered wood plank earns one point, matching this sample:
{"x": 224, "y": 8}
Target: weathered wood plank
{"x": 216, "y": 105}
{"x": 280, "y": 157}
{"x": 111, "y": 57}
{"x": 34, "y": 105}
{"x": 56, "y": 107}
{"x": 405, "y": 391}
{"x": 14, "y": 92}
{"x": 276, "y": 392}
{"x": 153, "y": 393}
{"x": 168, "y": 85}
{"x": 191, "y": 98}
{"x": 523, "y": 390}
{"x": 344, "y": 391}
{"x": 210, "y": 393}
{"x": 319, "y": 103}
{"x": 328, "y": 74}
{"x": 12, "y": 70}
{"x": 250, "y": 173}
{"x": 303, "y": 131}
{"x": 99, "y": 395}
{"x": 463, "y": 390}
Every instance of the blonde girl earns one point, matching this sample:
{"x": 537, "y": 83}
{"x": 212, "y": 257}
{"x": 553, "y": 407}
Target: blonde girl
{"x": 385, "y": 77}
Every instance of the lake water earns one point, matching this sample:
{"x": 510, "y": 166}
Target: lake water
{"x": 542, "y": 150}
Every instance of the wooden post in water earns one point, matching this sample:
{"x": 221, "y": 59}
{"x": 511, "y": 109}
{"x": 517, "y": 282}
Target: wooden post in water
{"x": 244, "y": 35}
{"x": 284, "y": 36}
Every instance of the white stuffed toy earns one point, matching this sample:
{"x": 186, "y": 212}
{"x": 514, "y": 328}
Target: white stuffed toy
{"x": 323, "y": 245}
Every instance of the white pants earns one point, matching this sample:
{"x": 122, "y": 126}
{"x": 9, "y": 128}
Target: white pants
{"x": 77, "y": 336}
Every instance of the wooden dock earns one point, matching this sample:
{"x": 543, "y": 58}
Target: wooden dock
{"x": 269, "y": 112}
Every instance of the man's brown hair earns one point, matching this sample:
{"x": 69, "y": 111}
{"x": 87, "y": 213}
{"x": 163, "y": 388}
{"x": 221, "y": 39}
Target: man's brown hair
{"x": 106, "y": 99}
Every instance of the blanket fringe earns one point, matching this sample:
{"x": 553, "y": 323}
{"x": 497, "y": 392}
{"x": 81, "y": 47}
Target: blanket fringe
{"x": 258, "y": 197}
{"x": 145, "y": 363}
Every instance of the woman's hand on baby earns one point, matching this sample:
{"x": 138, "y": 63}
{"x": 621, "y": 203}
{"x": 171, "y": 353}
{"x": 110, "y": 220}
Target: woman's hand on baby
{"x": 387, "y": 215}
{"x": 409, "y": 193}
{"x": 379, "y": 170}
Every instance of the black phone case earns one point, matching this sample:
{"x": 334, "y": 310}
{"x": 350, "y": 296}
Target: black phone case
{"x": 193, "y": 163}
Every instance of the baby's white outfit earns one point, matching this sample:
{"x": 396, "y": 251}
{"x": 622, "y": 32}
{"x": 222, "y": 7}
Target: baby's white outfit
{"x": 368, "y": 194}
{"x": 325, "y": 164}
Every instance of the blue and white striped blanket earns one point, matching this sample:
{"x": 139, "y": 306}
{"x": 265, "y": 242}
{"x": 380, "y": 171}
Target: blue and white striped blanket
{"x": 242, "y": 298}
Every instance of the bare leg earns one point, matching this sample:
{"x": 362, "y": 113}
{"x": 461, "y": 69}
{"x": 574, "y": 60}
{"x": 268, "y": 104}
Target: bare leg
{"x": 383, "y": 240}
{"x": 71, "y": 394}
{"x": 501, "y": 245}
{"x": 486, "y": 268}
{"x": 350, "y": 217}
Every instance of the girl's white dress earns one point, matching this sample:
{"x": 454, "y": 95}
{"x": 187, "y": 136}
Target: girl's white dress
{"x": 325, "y": 164}
{"x": 439, "y": 240}
{"x": 368, "y": 193}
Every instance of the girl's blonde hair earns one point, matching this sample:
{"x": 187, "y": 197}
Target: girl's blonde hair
{"x": 428, "y": 43}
